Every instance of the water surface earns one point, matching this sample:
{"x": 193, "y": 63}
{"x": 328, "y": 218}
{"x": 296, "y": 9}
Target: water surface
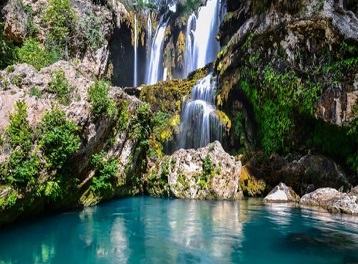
{"x": 150, "y": 230}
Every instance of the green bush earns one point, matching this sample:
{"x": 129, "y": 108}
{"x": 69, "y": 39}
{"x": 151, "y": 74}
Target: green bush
{"x": 35, "y": 91}
{"x": 19, "y": 131}
{"x": 7, "y": 50}
{"x": 60, "y": 86}
{"x": 35, "y": 54}
{"x": 98, "y": 95}
{"x": 91, "y": 27}
{"x": 106, "y": 171}
{"x": 58, "y": 137}
{"x": 22, "y": 166}
{"x": 60, "y": 18}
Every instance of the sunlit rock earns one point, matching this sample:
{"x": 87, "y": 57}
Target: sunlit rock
{"x": 282, "y": 194}
{"x": 205, "y": 173}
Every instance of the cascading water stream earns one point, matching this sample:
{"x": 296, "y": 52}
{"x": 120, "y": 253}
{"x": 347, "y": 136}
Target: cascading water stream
{"x": 201, "y": 45}
{"x": 189, "y": 43}
{"x": 155, "y": 68}
{"x": 149, "y": 35}
{"x": 135, "y": 78}
{"x": 199, "y": 123}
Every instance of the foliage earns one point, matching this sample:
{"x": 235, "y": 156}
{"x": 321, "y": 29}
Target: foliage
{"x": 98, "y": 94}
{"x": 123, "y": 115}
{"x": 9, "y": 200}
{"x": 22, "y": 166}
{"x": 60, "y": 18}
{"x": 50, "y": 189}
{"x": 33, "y": 53}
{"x": 106, "y": 171}
{"x": 91, "y": 26}
{"x": 7, "y": 49}
{"x": 353, "y": 132}
{"x": 35, "y": 91}
{"x": 140, "y": 125}
{"x": 60, "y": 86}
{"x": 30, "y": 26}
{"x": 208, "y": 167}
{"x": 191, "y": 6}
{"x": 58, "y": 137}
{"x": 19, "y": 131}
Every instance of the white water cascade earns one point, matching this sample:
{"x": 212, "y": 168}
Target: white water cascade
{"x": 135, "y": 78}
{"x": 149, "y": 34}
{"x": 200, "y": 124}
{"x": 154, "y": 72}
{"x": 201, "y": 45}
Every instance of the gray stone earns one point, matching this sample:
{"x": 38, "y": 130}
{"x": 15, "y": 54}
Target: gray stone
{"x": 187, "y": 179}
{"x": 282, "y": 194}
{"x": 332, "y": 200}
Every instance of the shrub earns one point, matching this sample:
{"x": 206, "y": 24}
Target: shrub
{"x": 91, "y": 27}
{"x": 60, "y": 86}
{"x": 22, "y": 166}
{"x": 7, "y": 50}
{"x": 98, "y": 95}
{"x": 58, "y": 137}
{"x": 106, "y": 171}
{"x": 60, "y": 18}
{"x": 19, "y": 131}
{"x": 33, "y": 53}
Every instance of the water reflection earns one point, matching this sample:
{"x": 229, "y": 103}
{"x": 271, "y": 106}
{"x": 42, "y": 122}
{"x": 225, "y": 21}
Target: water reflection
{"x": 149, "y": 230}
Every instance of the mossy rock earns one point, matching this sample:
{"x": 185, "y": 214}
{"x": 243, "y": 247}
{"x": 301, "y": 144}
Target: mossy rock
{"x": 250, "y": 185}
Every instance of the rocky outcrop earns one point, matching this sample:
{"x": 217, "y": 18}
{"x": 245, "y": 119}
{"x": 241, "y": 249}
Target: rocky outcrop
{"x": 251, "y": 185}
{"x": 309, "y": 171}
{"x": 332, "y": 200}
{"x": 115, "y": 134}
{"x": 205, "y": 173}
{"x": 24, "y": 19}
{"x": 282, "y": 194}
{"x": 309, "y": 46}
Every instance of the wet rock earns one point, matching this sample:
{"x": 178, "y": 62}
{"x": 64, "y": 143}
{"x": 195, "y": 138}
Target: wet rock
{"x": 282, "y": 194}
{"x": 250, "y": 184}
{"x": 303, "y": 173}
{"x": 332, "y": 200}
{"x": 205, "y": 173}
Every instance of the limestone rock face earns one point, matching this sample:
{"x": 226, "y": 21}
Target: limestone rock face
{"x": 205, "y": 173}
{"x": 16, "y": 20}
{"x": 97, "y": 133}
{"x": 282, "y": 194}
{"x": 332, "y": 200}
{"x": 311, "y": 171}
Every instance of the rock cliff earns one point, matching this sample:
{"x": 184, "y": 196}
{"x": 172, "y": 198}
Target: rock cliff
{"x": 107, "y": 163}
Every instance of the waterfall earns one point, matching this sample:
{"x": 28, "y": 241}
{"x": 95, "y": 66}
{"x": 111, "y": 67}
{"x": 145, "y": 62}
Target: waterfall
{"x": 188, "y": 56}
{"x": 201, "y": 45}
{"x": 199, "y": 123}
{"x": 155, "y": 69}
{"x": 149, "y": 34}
{"x": 135, "y": 79}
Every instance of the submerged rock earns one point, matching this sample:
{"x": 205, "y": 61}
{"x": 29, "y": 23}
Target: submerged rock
{"x": 332, "y": 200}
{"x": 205, "y": 173}
{"x": 282, "y": 194}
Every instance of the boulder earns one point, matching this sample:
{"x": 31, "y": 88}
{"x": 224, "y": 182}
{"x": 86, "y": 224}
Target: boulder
{"x": 282, "y": 194}
{"x": 205, "y": 173}
{"x": 307, "y": 172}
{"x": 332, "y": 200}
